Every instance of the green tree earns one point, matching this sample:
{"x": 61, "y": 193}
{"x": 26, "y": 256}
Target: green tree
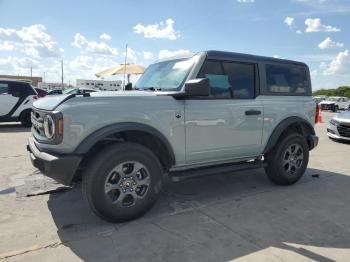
{"x": 340, "y": 91}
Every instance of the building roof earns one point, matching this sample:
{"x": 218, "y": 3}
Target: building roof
{"x": 16, "y": 80}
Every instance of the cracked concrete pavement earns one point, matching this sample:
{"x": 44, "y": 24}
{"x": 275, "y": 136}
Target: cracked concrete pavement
{"x": 239, "y": 217}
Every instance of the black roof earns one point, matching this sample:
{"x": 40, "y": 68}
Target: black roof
{"x": 213, "y": 54}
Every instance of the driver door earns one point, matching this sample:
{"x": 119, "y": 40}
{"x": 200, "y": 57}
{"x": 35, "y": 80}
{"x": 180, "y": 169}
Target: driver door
{"x": 228, "y": 124}
{"x": 7, "y": 101}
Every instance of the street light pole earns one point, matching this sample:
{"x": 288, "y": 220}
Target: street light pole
{"x": 62, "y": 71}
{"x": 126, "y": 56}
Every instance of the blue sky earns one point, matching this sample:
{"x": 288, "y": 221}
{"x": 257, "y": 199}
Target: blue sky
{"x": 91, "y": 36}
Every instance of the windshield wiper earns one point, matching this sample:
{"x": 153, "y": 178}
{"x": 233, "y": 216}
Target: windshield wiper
{"x": 151, "y": 88}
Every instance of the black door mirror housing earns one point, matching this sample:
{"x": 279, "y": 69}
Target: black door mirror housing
{"x": 197, "y": 87}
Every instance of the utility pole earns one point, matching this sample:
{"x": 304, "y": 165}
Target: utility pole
{"x": 31, "y": 73}
{"x": 126, "y": 56}
{"x": 62, "y": 71}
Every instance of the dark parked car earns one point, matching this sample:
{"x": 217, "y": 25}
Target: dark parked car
{"x": 79, "y": 91}
{"x": 41, "y": 92}
{"x": 55, "y": 92}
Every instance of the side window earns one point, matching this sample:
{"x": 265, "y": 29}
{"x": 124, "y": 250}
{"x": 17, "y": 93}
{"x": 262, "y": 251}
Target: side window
{"x": 4, "y": 88}
{"x": 219, "y": 81}
{"x": 287, "y": 79}
{"x": 241, "y": 79}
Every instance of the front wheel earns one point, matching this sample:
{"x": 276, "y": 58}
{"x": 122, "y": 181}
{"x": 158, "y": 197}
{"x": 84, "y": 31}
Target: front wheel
{"x": 288, "y": 160}
{"x": 122, "y": 182}
{"x": 26, "y": 119}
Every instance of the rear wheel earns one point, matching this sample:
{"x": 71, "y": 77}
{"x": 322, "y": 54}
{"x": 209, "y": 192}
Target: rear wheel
{"x": 288, "y": 160}
{"x": 26, "y": 119}
{"x": 123, "y": 182}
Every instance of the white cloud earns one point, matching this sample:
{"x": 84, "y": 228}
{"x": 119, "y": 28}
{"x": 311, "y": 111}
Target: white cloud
{"x": 81, "y": 62}
{"x": 167, "y": 54}
{"x": 85, "y": 66}
{"x": 299, "y": 32}
{"x": 329, "y": 43}
{"x": 315, "y": 25}
{"x": 147, "y": 55}
{"x": 131, "y": 56}
{"x": 289, "y": 21}
{"x": 105, "y": 37}
{"x": 161, "y": 30}
{"x": 92, "y": 47}
{"x": 31, "y": 40}
{"x": 245, "y": 1}
{"x": 339, "y": 64}
{"x": 6, "y": 46}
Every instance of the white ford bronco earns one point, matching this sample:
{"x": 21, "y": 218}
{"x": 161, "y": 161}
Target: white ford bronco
{"x": 209, "y": 113}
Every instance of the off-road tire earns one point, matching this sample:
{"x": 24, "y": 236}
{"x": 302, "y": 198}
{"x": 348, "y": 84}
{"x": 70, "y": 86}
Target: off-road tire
{"x": 275, "y": 169}
{"x": 94, "y": 179}
{"x": 25, "y": 118}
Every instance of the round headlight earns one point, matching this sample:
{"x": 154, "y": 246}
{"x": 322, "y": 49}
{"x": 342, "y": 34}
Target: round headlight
{"x": 49, "y": 126}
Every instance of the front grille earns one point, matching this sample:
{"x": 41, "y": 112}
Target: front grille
{"x": 344, "y": 130}
{"x": 37, "y": 118}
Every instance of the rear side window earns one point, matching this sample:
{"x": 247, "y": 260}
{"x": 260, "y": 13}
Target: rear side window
{"x": 4, "y": 88}
{"x": 229, "y": 79}
{"x": 286, "y": 80}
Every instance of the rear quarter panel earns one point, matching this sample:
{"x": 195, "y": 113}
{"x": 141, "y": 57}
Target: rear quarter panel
{"x": 278, "y": 108}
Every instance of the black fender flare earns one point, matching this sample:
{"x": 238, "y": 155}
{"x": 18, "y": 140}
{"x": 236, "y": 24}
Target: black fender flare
{"x": 22, "y": 112}
{"x": 98, "y": 135}
{"x": 307, "y": 130}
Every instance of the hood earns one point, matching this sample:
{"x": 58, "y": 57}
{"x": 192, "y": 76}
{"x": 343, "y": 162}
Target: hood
{"x": 123, "y": 93}
{"x": 50, "y": 103}
{"x": 343, "y": 117}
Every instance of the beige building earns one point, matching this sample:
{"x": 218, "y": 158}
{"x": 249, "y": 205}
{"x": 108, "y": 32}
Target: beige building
{"x": 35, "y": 79}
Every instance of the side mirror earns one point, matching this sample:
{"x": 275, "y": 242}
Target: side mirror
{"x": 197, "y": 87}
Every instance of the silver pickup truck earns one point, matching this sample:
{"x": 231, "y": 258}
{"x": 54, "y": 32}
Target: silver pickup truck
{"x": 209, "y": 113}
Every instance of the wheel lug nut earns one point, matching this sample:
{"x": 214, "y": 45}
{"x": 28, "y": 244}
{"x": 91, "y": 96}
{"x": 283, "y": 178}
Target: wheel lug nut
{"x": 124, "y": 191}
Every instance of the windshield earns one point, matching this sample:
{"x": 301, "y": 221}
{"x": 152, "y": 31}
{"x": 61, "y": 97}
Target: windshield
{"x": 333, "y": 99}
{"x": 167, "y": 75}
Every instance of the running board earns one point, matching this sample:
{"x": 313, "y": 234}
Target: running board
{"x": 177, "y": 176}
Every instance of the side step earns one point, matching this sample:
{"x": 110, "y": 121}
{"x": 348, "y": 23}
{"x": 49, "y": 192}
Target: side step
{"x": 177, "y": 176}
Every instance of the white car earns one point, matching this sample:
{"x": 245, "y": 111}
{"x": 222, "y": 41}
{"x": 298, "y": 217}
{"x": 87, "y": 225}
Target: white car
{"x": 334, "y": 103}
{"x": 339, "y": 126}
{"x": 16, "y": 100}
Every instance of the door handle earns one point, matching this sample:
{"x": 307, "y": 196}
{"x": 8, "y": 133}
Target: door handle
{"x": 252, "y": 112}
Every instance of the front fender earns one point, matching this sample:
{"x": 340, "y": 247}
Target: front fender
{"x": 98, "y": 135}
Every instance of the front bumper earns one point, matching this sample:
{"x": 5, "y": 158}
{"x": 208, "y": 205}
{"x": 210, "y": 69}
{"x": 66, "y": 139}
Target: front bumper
{"x": 339, "y": 132}
{"x": 61, "y": 168}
